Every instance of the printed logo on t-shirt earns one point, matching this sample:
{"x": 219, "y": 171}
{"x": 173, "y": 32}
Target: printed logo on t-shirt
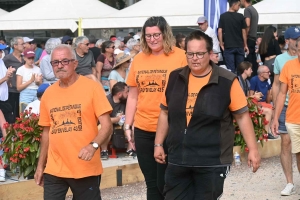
{"x": 151, "y": 80}
{"x": 190, "y": 104}
{"x": 295, "y": 84}
{"x": 66, "y": 118}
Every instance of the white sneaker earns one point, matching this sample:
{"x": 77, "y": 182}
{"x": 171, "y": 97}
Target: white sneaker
{"x": 2, "y": 175}
{"x": 288, "y": 190}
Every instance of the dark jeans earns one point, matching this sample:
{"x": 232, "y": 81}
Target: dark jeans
{"x": 14, "y": 101}
{"x": 233, "y": 57}
{"x": 251, "y": 42}
{"x": 56, "y": 188}
{"x": 154, "y": 172}
{"x": 194, "y": 183}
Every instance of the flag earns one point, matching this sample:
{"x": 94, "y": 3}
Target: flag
{"x": 212, "y": 11}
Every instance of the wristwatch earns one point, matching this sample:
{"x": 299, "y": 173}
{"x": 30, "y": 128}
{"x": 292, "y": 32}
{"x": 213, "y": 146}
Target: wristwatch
{"x": 127, "y": 127}
{"x": 95, "y": 145}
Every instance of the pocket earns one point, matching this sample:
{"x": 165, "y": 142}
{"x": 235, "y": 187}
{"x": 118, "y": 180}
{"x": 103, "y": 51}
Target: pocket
{"x": 211, "y": 105}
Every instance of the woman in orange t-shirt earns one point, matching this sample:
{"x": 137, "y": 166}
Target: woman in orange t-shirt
{"x": 147, "y": 80}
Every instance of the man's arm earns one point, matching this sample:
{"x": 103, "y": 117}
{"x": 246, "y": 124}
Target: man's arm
{"x": 275, "y": 88}
{"x": 245, "y": 40}
{"x": 248, "y": 21}
{"x": 247, "y": 129}
{"x": 220, "y": 35}
{"x": 269, "y": 96}
{"x": 38, "y": 176}
{"x": 161, "y": 134}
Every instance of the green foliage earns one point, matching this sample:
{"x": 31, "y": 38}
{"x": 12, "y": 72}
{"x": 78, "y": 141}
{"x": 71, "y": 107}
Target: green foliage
{"x": 118, "y": 4}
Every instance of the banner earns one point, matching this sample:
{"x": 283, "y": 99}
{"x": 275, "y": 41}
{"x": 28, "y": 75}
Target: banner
{"x": 212, "y": 11}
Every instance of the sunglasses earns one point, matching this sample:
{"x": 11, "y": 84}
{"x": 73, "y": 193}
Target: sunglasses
{"x": 87, "y": 44}
{"x": 68, "y": 42}
{"x": 111, "y": 47}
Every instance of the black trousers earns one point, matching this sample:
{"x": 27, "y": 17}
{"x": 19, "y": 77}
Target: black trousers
{"x": 194, "y": 183}
{"x": 7, "y": 111}
{"x": 251, "y": 42}
{"x": 56, "y": 188}
{"x": 14, "y": 101}
{"x": 154, "y": 172}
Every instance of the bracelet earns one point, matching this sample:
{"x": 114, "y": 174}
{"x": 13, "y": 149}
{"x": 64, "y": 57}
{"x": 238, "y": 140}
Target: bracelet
{"x": 158, "y": 145}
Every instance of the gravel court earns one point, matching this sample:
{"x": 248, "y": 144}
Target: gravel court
{"x": 240, "y": 184}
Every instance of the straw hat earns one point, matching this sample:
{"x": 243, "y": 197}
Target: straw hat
{"x": 121, "y": 58}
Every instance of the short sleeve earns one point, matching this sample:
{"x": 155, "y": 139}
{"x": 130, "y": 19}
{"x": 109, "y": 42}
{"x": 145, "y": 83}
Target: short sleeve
{"x": 101, "y": 58}
{"x": 276, "y": 66}
{"x": 238, "y": 102}
{"x": 131, "y": 76}
{"x": 244, "y": 25}
{"x": 20, "y": 71}
{"x": 247, "y": 13}
{"x": 283, "y": 75}
{"x": 44, "y": 119}
{"x": 113, "y": 75}
{"x": 221, "y": 25}
{"x": 99, "y": 96}
{"x": 252, "y": 84}
{"x": 163, "y": 102}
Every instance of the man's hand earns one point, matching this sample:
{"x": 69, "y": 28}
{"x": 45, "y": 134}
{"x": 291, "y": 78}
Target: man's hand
{"x": 9, "y": 72}
{"x": 222, "y": 47}
{"x": 159, "y": 155}
{"x": 130, "y": 137}
{"x": 39, "y": 177}
{"x": 258, "y": 95}
{"x": 254, "y": 159}
{"x": 38, "y": 78}
{"x": 246, "y": 49}
{"x": 274, "y": 127}
{"x": 87, "y": 153}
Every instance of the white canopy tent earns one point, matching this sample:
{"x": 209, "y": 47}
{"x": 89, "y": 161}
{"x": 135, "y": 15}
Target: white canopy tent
{"x": 53, "y": 14}
{"x": 277, "y": 12}
{"x": 176, "y": 12}
{"x": 3, "y": 12}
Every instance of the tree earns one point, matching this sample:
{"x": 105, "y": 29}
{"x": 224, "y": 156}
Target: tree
{"x": 118, "y": 4}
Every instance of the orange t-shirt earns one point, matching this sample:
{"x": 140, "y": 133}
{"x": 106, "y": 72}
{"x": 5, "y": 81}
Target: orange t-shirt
{"x": 72, "y": 115}
{"x": 237, "y": 96}
{"x": 290, "y": 75}
{"x": 150, "y": 73}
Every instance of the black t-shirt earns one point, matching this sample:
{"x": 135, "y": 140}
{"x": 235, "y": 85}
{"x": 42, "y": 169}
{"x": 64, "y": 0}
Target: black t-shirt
{"x": 96, "y": 52}
{"x": 232, "y": 24}
{"x": 273, "y": 49}
{"x": 117, "y": 107}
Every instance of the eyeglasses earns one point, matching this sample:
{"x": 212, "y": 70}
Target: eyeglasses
{"x": 268, "y": 72}
{"x": 111, "y": 47}
{"x": 68, "y": 42}
{"x": 154, "y": 35}
{"x": 190, "y": 55}
{"x": 87, "y": 44}
{"x": 63, "y": 62}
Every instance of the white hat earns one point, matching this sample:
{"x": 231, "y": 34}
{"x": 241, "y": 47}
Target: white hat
{"x": 27, "y": 39}
{"x": 136, "y": 37}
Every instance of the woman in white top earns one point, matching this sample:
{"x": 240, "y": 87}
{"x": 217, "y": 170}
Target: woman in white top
{"x": 29, "y": 77}
{"x": 120, "y": 70}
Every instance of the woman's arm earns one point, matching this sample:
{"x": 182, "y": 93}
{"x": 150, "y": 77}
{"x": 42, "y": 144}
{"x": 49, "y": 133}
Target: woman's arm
{"x": 21, "y": 86}
{"x": 112, "y": 82}
{"x": 99, "y": 66}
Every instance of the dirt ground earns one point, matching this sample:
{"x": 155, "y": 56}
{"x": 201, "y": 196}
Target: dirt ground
{"x": 241, "y": 183}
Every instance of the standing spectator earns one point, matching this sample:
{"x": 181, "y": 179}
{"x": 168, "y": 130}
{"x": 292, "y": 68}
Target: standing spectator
{"x": 282, "y": 44}
{"x": 120, "y": 70}
{"x": 14, "y": 60}
{"x": 196, "y": 117}
{"x": 6, "y": 51}
{"x": 251, "y": 18}
{"x": 70, "y": 138}
{"x": 180, "y": 41}
{"x": 147, "y": 79}
{"x": 232, "y": 36}
{"x": 105, "y": 63}
{"x": 86, "y": 63}
{"x": 27, "y": 42}
{"x": 46, "y": 68}
{"x": 269, "y": 49}
{"x": 289, "y": 83}
{"x": 38, "y": 52}
{"x": 92, "y": 46}
{"x": 290, "y": 35}
{"x": 29, "y": 77}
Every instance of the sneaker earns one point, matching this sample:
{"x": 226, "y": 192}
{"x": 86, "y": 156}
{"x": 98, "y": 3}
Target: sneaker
{"x": 104, "y": 155}
{"x": 288, "y": 190}
{"x": 2, "y": 175}
{"x": 131, "y": 153}
{"x": 271, "y": 137}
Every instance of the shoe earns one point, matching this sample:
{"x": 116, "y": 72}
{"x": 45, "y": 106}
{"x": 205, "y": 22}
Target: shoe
{"x": 271, "y": 137}
{"x": 2, "y": 175}
{"x": 288, "y": 190}
{"x": 104, "y": 155}
{"x": 131, "y": 153}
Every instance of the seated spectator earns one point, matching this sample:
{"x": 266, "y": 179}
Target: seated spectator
{"x": 133, "y": 47}
{"x": 29, "y": 77}
{"x": 180, "y": 41}
{"x": 34, "y": 107}
{"x": 120, "y": 70}
{"x": 117, "y": 100}
{"x": 46, "y": 67}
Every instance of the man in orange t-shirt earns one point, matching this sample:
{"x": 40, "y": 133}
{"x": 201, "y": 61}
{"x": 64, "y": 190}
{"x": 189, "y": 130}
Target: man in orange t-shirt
{"x": 69, "y": 112}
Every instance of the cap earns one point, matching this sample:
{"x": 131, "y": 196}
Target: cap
{"x": 201, "y": 20}
{"x": 2, "y": 46}
{"x": 292, "y": 33}
{"x": 27, "y": 39}
{"x": 113, "y": 39}
{"x": 65, "y": 39}
{"x": 136, "y": 37}
{"x": 216, "y": 51}
{"x": 43, "y": 87}
{"x": 29, "y": 53}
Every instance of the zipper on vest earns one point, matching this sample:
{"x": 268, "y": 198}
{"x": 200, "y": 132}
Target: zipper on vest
{"x": 185, "y": 131}
{"x": 183, "y": 147}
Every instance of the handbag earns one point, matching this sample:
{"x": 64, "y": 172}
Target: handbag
{"x": 118, "y": 139}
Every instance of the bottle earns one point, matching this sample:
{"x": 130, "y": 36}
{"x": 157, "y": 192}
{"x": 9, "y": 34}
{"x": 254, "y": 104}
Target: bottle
{"x": 237, "y": 159}
{"x": 122, "y": 120}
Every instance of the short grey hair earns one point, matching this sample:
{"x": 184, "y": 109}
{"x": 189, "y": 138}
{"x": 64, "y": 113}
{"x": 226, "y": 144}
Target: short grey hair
{"x": 261, "y": 69}
{"x": 131, "y": 43}
{"x": 79, "y": 40}
{"x": 99, "y": 42}
{"x": 14, "y": 41}
{"x": 67, "y": 47}
{"x": 117, "y": 43}
{"x": 51, "y": 44}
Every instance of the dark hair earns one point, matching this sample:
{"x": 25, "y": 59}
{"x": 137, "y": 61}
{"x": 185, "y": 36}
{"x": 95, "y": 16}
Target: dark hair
{"x": 231, "y": 2}
{"x": 248, "y": 1}
{"x": 265, "y": 40}
{"x": 126, "y": 38}
{"x": 39, "y": 94}
{"x": 92, "y": 39}
{"x": 179, "y": 37}
{"x": 118, "y": 87}
{"x": 131, "y": 33}
{"x": 281, "y": 40}
{"x": 112, "y": 36}
{"x": 105, "y": 45}
{"x": 245, "y": 65}
{"x": 199, "y": 35}
{"x": 3, "y": 39}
